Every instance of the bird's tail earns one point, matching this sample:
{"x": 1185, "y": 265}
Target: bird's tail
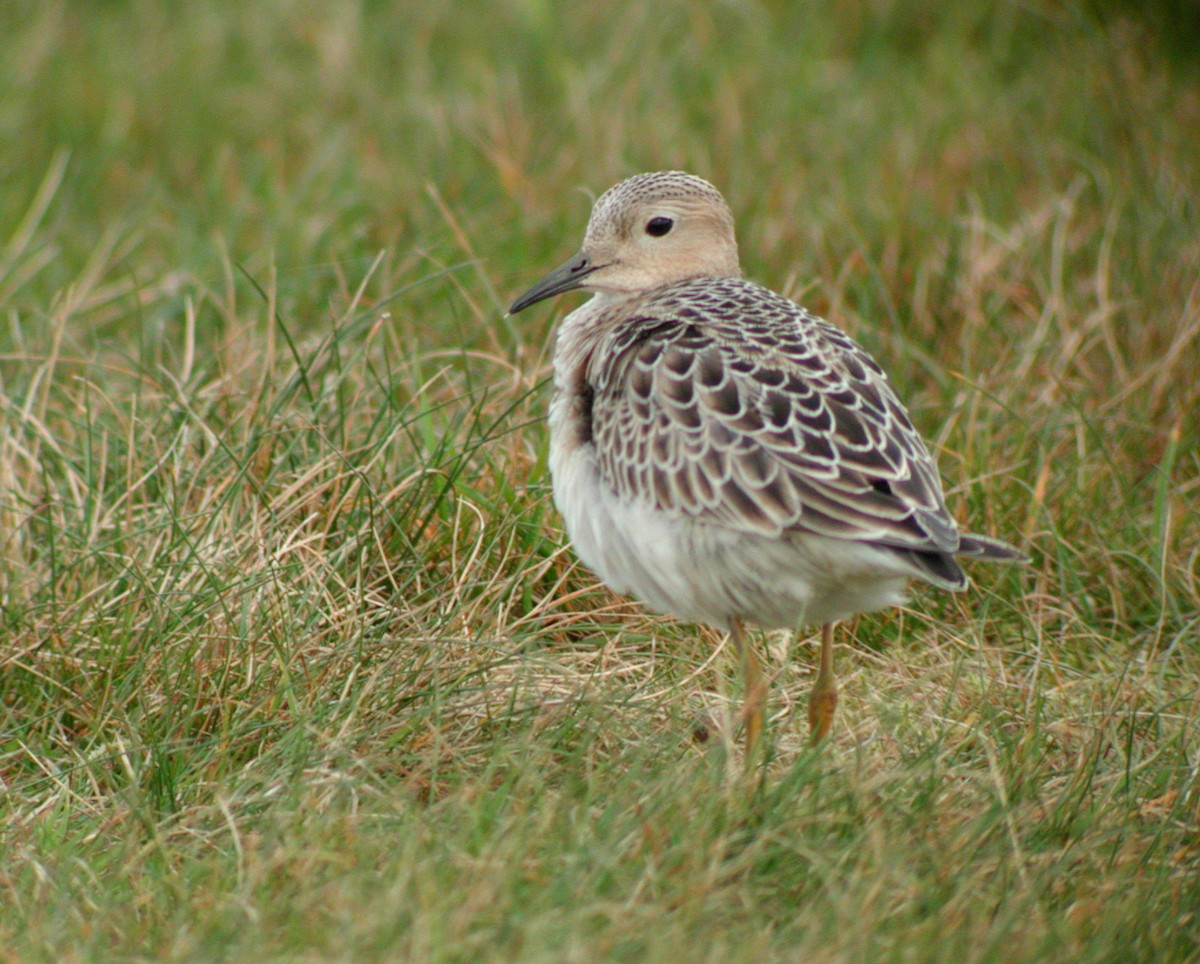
{"x": 973, "y": 546}
{"x": 942, "y": 568}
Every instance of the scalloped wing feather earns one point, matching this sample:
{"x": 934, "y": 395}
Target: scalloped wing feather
{"x": 718, "y": 399}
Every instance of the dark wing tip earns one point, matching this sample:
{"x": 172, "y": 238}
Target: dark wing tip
{"x": 938, "y": 568}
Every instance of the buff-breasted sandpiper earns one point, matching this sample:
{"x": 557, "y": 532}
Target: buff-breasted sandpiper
{"x": 724, "y": 455}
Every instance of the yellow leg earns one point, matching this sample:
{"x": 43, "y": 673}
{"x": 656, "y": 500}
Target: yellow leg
{"x": 754, "y": 702}
{"x": 822, "y": 701}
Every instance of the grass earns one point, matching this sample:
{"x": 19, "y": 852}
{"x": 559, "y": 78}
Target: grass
{"x": 294, "y": 661}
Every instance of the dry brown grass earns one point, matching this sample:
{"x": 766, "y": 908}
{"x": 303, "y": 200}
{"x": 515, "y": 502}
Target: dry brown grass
{"x": 294, "y": 661}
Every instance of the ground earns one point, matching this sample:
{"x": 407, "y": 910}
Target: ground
{"x": 296, "y": 661}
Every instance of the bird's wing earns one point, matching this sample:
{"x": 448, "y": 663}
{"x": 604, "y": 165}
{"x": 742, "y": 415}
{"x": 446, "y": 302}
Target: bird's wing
{"x": 725, "y": 402}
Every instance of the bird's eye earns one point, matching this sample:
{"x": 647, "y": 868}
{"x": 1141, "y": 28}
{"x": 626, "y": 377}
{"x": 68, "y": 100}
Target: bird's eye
{"x": 657, "y": 227}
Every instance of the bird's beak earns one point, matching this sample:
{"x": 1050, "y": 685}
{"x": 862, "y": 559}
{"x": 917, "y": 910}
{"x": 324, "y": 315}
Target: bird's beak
{"x": 566, "y": 277}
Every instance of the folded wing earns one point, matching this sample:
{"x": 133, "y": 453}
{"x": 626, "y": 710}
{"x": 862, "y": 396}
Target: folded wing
{"x": 795, "y": 428}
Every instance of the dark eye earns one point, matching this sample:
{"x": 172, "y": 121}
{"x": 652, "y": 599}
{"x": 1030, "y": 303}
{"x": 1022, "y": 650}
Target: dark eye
{"x": 657, "y": 227}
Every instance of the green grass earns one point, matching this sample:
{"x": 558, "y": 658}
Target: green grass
{"x": 295, "y": 663}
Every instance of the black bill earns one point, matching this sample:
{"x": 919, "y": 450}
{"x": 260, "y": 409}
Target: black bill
{"x": 566, "y": 277}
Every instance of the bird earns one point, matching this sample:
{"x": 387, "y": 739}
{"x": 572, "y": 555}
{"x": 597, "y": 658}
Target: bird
{"x": 724, "y": 455}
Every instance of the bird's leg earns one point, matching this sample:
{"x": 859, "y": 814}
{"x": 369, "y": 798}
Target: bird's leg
{"x": 754, "y": 700}
{"x": 822, "y": 701}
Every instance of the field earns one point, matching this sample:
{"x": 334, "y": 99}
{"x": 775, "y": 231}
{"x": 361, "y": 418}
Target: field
{"x": 295, "y": 660}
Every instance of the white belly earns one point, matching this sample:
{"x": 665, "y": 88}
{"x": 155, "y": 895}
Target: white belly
{"x": 710, "y": 573}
